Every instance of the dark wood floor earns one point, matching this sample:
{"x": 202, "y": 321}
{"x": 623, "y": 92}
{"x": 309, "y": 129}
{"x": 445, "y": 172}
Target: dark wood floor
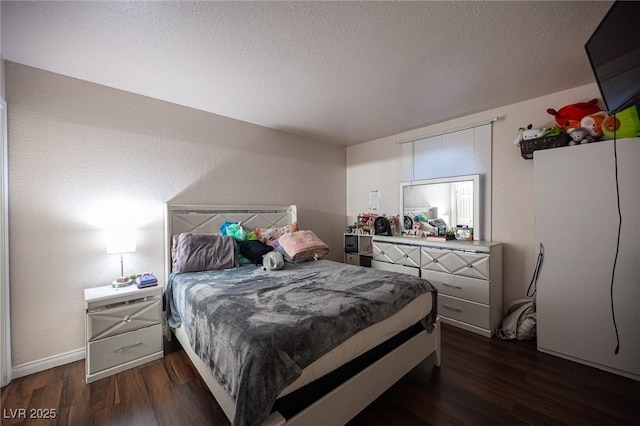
{"x": 481, "y": 381}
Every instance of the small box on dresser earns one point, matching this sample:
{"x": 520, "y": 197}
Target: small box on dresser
{"x": 123, "y": 328}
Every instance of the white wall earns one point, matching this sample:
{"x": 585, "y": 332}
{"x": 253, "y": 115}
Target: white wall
{"x": 378, "y": 165}
{"x": 82, "y": 156}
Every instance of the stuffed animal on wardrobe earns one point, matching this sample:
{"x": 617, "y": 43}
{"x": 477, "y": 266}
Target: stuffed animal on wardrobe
{"x": 569, "y": 116}
{"x": 593, "y": 123}
{"x": 580, "y": 135}
{"x": 625, "y": 124}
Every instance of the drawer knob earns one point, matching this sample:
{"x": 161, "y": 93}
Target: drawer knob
{"x": 382, "y": 253}
{"x": 435, "y": 260}
{"x": 127, "y": 319}
{"x": 470, "y": 265}
{"x": 406, "y": 255}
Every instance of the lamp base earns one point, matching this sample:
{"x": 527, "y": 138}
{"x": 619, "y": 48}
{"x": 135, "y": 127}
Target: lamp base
{"x": 117, "y": 283}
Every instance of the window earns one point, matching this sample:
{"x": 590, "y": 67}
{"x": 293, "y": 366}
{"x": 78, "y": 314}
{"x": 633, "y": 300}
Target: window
{"x": 455, "y": 153}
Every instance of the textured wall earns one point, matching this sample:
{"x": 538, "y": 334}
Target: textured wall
{"x": 84, "y": 156}
{"x": 513, "y": 221}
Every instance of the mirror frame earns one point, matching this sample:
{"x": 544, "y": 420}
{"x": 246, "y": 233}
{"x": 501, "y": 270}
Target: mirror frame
{"x": 477, "y": 225}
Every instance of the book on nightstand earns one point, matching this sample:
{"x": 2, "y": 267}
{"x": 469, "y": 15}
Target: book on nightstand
{"x": 146, "y": 281}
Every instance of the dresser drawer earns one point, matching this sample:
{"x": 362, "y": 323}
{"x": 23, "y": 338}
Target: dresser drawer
{"x": 375, "y": 264}
{"x": 396, "y": 253}
{"x": 116, "y": 350}
{"x": 463, "y": 310}
{"x": 473, "y": 265}
{"x": 458, "y": 286}
{"x": 123, "y": 318}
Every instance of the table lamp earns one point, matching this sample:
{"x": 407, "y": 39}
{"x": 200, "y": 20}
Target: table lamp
{"x": 121, "y": 241}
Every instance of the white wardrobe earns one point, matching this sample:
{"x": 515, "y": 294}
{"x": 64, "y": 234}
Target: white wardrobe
{"x": 577, "y": 223}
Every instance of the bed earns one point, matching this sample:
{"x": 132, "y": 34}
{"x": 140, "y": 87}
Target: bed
{"x": 312, "y": 343}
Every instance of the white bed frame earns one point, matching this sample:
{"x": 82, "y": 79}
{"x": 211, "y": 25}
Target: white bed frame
{"x": 342, "y": 403}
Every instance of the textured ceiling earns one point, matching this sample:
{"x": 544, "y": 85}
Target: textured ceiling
{"x": 339, "y": 72}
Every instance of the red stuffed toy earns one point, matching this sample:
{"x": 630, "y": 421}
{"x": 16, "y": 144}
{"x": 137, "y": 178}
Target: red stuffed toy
{"x": 568, "y": 117}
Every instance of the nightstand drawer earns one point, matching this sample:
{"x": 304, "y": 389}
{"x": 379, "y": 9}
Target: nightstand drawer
{"x": 463, "y": 310}
{"x": 461, "y": 287}
{"x": 123, "y": 318}
{"x": 116, "y": 350}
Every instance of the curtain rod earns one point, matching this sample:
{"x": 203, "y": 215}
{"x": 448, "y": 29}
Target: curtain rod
{"x": 445, "y": 132}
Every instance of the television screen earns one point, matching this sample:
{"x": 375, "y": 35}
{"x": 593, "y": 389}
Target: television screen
{"x": 614, "y": 53}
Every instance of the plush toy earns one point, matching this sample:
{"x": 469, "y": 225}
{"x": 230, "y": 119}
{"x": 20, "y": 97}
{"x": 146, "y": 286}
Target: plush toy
{"x": 580, "y": 135}
{"x": 569, "y": 116}
{"x": 533, "y": 133}
{"x": 529, "y": 133}
{"x": 625, "y": 124}
{"x": 273, "y": 261}
{"x": 420, "y": 218}
{"x": 593, "y": 123}
{"x": 236, "y": 231}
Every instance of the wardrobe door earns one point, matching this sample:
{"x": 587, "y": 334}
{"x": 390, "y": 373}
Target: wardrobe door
{"x": 577, "y": 223}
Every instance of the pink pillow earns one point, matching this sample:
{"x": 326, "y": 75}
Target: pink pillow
{"x": 303, "y": 245}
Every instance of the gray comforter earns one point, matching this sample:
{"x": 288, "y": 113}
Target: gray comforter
{"x": 257, "y": 330}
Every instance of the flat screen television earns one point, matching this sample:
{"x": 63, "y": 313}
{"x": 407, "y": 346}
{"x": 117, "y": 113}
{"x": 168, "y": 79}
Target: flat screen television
{"x": 614, "y": 52}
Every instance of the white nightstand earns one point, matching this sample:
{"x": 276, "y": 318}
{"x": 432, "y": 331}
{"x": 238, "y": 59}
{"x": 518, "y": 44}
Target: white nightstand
{"x": 123, "y": 328}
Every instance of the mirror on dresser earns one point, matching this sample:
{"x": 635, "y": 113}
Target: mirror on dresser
{"x": 454, "y": 200}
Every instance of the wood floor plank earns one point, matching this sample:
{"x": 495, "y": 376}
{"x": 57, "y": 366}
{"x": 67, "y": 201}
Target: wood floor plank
{"x": 481, "y": 381}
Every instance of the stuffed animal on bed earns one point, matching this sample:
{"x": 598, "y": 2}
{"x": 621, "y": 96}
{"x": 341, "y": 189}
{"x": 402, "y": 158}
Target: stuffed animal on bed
{"x": 272, "y": 261}
{"x": 569, "y": 116}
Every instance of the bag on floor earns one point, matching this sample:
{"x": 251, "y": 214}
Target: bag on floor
{"x": 520, "y": 322}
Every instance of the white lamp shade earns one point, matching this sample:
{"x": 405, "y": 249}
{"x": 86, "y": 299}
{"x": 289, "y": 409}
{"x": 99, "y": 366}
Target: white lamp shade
{"x": 121, "y": 241}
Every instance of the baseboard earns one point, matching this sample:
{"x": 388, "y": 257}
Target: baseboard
{"x": 629, "y": 374}
{"x": 47, "y": 363}
{"x": 54, "y": 361}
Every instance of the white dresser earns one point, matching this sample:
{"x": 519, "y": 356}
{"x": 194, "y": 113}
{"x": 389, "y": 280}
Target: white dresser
{"x": 123, "y": 328}
{"x": 467, "y": 274}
